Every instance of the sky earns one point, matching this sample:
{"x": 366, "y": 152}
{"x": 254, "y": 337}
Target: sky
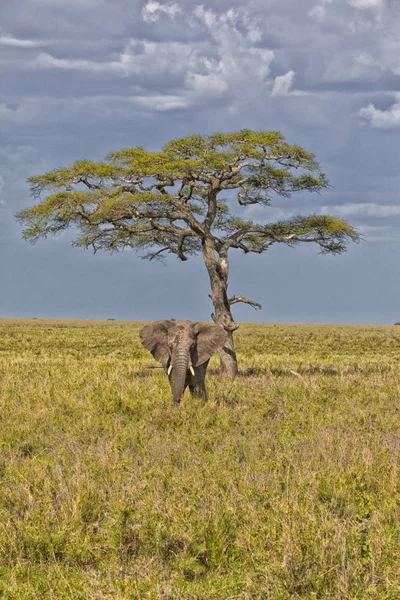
{"x": 81, "y": 78}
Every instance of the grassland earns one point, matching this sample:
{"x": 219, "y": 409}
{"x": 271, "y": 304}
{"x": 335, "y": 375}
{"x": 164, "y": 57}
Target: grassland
{"x": 285, "y": 486}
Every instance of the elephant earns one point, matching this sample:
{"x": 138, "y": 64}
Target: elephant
{"x": 184, "y": 349}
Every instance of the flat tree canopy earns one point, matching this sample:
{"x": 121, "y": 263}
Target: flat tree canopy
{"x": 171, "y": 202}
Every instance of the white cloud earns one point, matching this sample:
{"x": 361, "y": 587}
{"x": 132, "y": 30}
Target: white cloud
{"x": 350, "y": 65}
{"x": 339, "y": 12}
{"x": 389, "y": 49}
{"x": 283, "y": 84}
{"x": 318, "y": 12}
{"x": 137, "y": 58}
{"x": 211, "y": 82}
{"x": 366, "y": 229}
{"x": 75, "y": 4}
{"x": 363, "y": 4}
{"x": 267, "y": 214}
{"x": 46, "y": 111}
{"x": 229, "y": 63}
{"x": 368, "y": 209}
{"x": 161, "y": 103}
{"x": 9, "y": 40}
{"x": 208, "y": 16}
{"x": 2, "y": 201}
{"x": 382, "y": 119}
{"x": 7, "y": 113}
{"x": 47, "y": 61}
{"x": 350, "y": 210}
{"x": 365, "y": 59}
{"x": 156, "y": 58}
{"x": 152, "y": 10}
{"x": 378, "y": 233}
{"x": 237, "y": 64}
{"x": 366, "y": 49}
{"x": 228, "y": 21}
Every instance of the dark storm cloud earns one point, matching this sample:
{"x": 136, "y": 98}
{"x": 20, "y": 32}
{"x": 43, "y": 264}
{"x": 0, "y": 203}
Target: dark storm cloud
{"x": 84, "y": 77}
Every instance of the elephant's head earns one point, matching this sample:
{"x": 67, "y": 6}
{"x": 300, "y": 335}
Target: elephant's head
{"x": 181, "y": 345}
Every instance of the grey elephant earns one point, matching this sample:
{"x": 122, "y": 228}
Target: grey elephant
{"x": 184, "y": 349}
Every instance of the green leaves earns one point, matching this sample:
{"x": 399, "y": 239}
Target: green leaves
{"x": 166, "y": 199}
{"x": 331, "y": 234}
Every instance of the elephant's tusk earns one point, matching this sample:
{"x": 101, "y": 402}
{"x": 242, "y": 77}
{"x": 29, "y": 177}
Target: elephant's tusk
{"x": 169, "y": 370}
{"x": 191, "y": 370}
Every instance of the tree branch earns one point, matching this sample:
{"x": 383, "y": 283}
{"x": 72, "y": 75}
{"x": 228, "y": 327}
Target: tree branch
{"x": 172, "y": 229}
{"x": 169, "y": 199}
{"x": 212, "y": 208}
{"x": 155, "y": 255}
{"x": 180, "y": 252}
{"x": 236, "y": 299}
{"x": 254, "y": 249}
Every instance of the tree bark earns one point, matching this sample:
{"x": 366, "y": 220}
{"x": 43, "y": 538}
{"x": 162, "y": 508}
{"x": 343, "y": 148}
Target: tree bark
{"x": 217, "y": 268}
{"x": 228, "y": 359}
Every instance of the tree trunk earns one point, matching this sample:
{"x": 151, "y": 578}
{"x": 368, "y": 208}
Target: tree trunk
{"x": 218, "y": 272}
{"x": 228, "y": 360}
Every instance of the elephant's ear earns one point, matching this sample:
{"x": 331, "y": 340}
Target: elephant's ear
{"x": 154, "y": 337}
{"x": 210, "y": 339}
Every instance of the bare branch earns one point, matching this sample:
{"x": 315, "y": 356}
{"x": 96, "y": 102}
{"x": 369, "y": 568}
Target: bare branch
{"x": 169, "y": 228}
{"x": 181, "y": 242}
{"x": 236, "y": 299}
{"x": 155, "y": 255}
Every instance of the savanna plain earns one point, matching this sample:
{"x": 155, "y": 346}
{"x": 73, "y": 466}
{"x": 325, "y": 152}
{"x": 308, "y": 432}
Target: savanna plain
{"x": 285, "y": 486}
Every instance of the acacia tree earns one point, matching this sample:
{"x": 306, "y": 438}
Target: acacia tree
{"x": 170, "y": 202}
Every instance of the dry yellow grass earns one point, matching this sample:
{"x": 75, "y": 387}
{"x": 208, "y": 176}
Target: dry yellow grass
{"x": 284, "y": 486}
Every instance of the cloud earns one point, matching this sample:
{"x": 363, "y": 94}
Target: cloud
{"x": 229, "y": 20}
{"x": 283, "y": 84}
{"x": 351, "y": 65}
{"x": 2, "y": 201}
{"x": 382, "y": 119}
{"x": 161, "y": 103}
{"x": 353, "y": 210}
{"x": 379, "y": 234}
{"x": 47, "y": 61}
{"x": 368, "y": 209}
{"x": 222, "y": 59}
{"x": 365, "y": 53}
{"x": 9, "y": 40}
{"x": 364, "y": 4}
{"x": 152, "y": 10}
{"x": 318, "y": 12}
{"x": 136, "y": 58}
{"x": 237, "y": 63}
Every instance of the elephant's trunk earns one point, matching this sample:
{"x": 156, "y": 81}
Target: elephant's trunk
{"x": 180, "y": 365}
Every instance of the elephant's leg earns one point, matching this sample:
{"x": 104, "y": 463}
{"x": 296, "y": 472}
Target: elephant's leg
{"x": 197, "y": 384}
{"x": 198, "y": 392}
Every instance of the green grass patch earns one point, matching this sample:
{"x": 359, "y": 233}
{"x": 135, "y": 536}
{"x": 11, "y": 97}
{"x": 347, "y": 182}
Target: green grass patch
{"x": 285, "y": 486}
